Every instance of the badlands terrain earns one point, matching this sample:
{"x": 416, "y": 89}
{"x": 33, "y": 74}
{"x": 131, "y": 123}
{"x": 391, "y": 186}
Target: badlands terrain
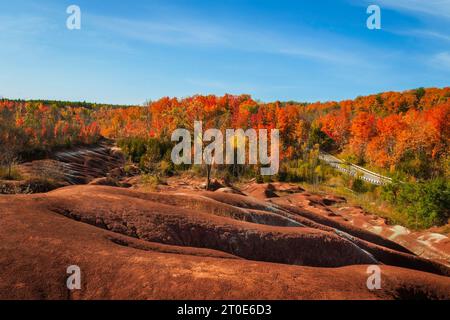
{"x": 178, "y": 241}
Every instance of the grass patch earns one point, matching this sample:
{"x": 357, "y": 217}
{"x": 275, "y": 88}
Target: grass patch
{"x": 150, "y": 182}
{"x": 370, "y": 201}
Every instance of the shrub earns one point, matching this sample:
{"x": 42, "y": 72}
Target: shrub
{"x": 318, "y": 137}
{"x": 9, "y": 173}
{"x": 151, "y": 181}
{"x": 426, "y": 203}
{"x": 166, "y": 168}
{"x": 259, "y": 179}
{"x": 146, "y": 152}
{"x": 358, "y": 185}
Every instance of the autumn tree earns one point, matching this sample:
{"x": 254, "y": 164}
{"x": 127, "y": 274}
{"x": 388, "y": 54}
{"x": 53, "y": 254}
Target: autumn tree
{"x": 336, "y": 125}
{"x": 362, "y": 130}
{"x": 12, "y": 140}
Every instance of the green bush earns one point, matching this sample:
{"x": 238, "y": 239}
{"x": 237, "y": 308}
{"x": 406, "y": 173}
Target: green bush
{"x": 166, "y": 168}
{"x": 148, "y": 153}
{"x": 359, "y": 186}
{"x": 134, "y": 148}
{"x": 151, "y": 181}
{"x": 426, "y": 203}
{"x": 317, "y": 136}
{"x": 259, "y": 178}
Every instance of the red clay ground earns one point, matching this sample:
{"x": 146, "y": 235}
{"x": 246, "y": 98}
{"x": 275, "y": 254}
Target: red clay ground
{"x": 184, "y": 243}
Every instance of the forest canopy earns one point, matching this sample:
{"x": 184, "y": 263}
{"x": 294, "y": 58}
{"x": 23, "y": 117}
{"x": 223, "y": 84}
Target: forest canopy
{"x": 393, "y": 131}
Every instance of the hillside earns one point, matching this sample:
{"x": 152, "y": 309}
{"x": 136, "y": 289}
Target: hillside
{"x": 361, "y": 183}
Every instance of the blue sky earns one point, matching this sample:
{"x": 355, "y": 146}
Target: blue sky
{"x": 132, "y": 51}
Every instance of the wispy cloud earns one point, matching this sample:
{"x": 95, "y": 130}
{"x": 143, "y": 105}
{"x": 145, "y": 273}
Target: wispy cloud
{"x": 23, "y": 25}
{"x": 441, "y": 59}
{"x": 429, "y": 34}
{"x": 331, "y": 56}
{"x": 169, "y": 33}
{"x": 437, "y": 8}
{"x": 177, "y": 30}
{"x": 312, "y": 45}
{"x": 24, "y": 34}
{"x": 432, "y": 34}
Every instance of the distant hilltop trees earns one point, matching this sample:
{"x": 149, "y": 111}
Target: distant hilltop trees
{"x": 72, "y": 104}
{"x": 394, "y": 131}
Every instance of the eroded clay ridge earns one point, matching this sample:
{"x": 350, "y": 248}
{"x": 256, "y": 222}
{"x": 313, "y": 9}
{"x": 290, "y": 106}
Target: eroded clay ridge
{"x": 193, "y": 245}
{"x": 79, "y": 165}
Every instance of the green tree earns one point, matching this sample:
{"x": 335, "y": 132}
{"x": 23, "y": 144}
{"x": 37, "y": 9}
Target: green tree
{"x": 317, "y": 136}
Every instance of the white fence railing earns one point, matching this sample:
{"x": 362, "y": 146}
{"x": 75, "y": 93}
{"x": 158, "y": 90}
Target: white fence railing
{"x": 339, "y": 165}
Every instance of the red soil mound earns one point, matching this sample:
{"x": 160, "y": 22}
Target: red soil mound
{"x": 194, "y": 245}
{"x": 170, "y": 224}
{"x": 270, "y": 190}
